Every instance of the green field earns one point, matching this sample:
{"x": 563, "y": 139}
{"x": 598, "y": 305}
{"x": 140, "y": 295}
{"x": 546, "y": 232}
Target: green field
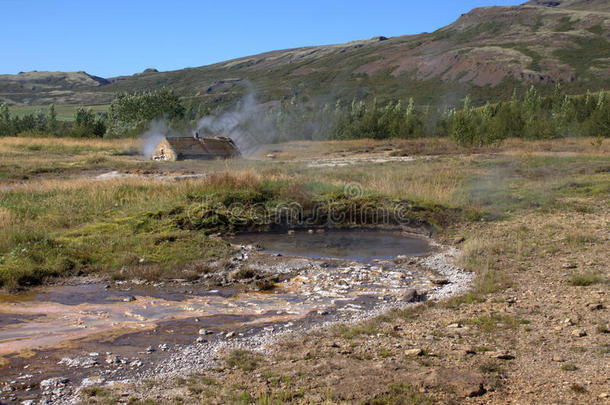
{"x": 65, "y": 112}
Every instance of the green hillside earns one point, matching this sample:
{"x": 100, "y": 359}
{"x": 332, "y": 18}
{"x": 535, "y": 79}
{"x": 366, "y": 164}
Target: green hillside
{"x": 486, "y": 53}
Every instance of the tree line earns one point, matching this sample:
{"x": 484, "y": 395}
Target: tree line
{"x": 529, "y": 115}
{"x": 44, "y": 123}
{"x": 129, "y": 115}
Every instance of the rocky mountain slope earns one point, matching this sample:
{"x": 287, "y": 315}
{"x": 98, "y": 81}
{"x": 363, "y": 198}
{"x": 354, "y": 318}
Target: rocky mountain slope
{"x": 486, "y": 53}
{"x": 591, "y": 5}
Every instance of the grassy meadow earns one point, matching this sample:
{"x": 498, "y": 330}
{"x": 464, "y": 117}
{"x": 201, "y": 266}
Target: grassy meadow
{"x": 65, "y": 112}
{"x": 59, "y": 220}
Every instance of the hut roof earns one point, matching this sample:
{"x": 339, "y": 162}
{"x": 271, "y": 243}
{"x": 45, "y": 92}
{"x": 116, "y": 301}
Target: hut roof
{"x": 190, "y": 147}
{"x": 187, "y": 146}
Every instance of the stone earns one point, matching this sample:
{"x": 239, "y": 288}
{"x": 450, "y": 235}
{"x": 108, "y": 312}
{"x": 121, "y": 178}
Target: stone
{"x": 204, "y": 332}
{"x": 463, "y": 384}
{"x": 558, "y": 359}
{"x": 458, "y": 240}
{"x": 578, "y": 333}
{"x": 439, "y": 281}
{"x": 92, "y": 381}
{"x": 455, "y": 325}
{"x": 595, "y": 306}
{"x": 150, "y": 349}
{"x": 411, "y": 295}
{"x": 112, "y": 359}
{"x": 501, "y": 355}
{"x": 469, "y": 350}
{"x": 230, "y": 335}
{"x": 53, "y": 383}
{"x": 414, "y": 352}
{"x": 129, "y": 299}
{"x": 164, "y": 346}
{"x": 86, "y": 362}
{"x": 603, "y": 395}
{"x": 201, "y": 340}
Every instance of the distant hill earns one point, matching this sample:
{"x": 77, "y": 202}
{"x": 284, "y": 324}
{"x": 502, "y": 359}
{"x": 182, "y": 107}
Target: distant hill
{"x": 486, "y": 53}
{"x": 590, "y": 5}
{"x": 54, "y": 86}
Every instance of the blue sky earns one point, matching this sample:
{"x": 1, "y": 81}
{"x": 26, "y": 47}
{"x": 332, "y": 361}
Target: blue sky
{"x": 110, "y": 38}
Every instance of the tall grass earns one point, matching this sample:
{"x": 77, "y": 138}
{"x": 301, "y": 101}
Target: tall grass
{"x": 53, "y": 225}
{"x": 8, "y": 144}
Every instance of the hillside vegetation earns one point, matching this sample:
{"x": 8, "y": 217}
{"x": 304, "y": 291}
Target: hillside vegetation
{"x": 528, "y": 116}
{"x": 486, "y": 53}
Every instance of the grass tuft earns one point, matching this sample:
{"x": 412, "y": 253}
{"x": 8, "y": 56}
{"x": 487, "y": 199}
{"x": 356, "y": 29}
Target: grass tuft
{"x": 245, "y": 360}
{"x": 585, "y": 279}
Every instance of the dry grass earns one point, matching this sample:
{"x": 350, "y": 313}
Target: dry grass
{"x": 6, "y": 219}
{"x": 553, "y": 206}
{"x": 580, "y": 146}
{"x": 433, "y": 147}
{"x": 8, "y": 144}
{"x": 60, "y": 195}
{"x": 532, "y": 237}
{"x": 429, "y": 182}
{"x": 6, "y": 222}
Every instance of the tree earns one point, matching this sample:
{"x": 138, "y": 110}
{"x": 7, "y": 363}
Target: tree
{"x": 129, "y": 112}
{"x": 84, "y": 119}
{"x": 6, "y": 127}
{"x": 463, "y": 130}
{"x": 52, "y": 118}
{"x": 599, "y": 122}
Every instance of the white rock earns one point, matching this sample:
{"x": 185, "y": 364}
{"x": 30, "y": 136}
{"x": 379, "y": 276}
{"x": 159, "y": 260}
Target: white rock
{"x": 92, "y": 381}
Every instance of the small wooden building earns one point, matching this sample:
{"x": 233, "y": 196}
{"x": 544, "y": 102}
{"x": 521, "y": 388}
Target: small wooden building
{"x": 181, "y": 148}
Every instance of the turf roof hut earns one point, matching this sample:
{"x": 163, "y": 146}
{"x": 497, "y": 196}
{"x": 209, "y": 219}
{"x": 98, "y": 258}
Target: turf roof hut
{"x": 188, "y": 147}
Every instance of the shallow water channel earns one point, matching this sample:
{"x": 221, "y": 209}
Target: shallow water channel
{"x": 327, "y": 276}
{"x": 356, "y": 245}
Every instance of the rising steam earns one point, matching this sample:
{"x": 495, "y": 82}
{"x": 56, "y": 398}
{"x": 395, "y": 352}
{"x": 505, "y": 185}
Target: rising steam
{"x": 246, "y": 124}
{"x": 150, "y": 139}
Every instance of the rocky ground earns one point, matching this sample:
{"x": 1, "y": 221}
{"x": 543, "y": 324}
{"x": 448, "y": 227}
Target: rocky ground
{"x": 534, "y": 329}
{"x": 302, "y": 295}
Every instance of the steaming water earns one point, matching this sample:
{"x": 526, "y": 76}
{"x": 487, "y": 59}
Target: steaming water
{"x": 362, "y": 246}
{"x": 50, "y": 323}
{"x": 69, "y": 312}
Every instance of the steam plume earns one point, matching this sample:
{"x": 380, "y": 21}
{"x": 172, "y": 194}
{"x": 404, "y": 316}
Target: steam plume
{"x": 246, "y": 124}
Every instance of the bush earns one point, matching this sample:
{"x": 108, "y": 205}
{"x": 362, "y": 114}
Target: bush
{"x": 129, "y": 111}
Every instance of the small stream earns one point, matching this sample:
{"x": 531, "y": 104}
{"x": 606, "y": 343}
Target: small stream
{"x": 328, "y": 275}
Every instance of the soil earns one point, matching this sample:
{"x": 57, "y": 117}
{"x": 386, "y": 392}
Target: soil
{"x": 541, "y": 339}
{"x": 109, "y": 332}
